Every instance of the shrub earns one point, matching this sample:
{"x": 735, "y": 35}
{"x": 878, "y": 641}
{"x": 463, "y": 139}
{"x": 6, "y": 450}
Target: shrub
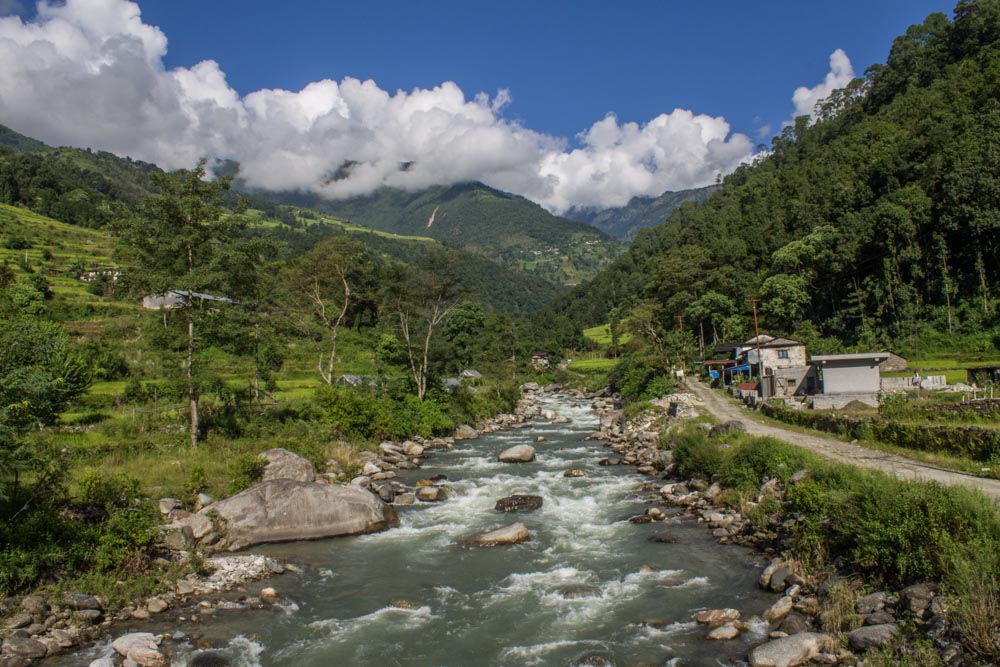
{"x": 124, "y": 541}
{"x": 640, "y": 379}
{"x": 19, "y": 569}
{"x": 892, "y": 530}
{"x": 760, "y": 514}
{"x": 245, "y": 471}
{"x": 134, "y": 393}
{"x": 197, "y": 482}
{"x": 973, "y": 582}
{"x": 695, "y": 454}
{"x": 108, "y": 491}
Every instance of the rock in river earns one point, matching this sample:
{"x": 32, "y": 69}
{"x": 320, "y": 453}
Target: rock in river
{"x": 519, "y": 503}
{"x": 283, "y": 510}
{"x": 512, "y": 534}
{"x": 518, "y": 454}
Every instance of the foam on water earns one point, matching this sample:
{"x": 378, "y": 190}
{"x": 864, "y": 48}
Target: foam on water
{"x": 397, "y": 617}
{"x": 380, "y": 624}
{"x": 578, "y": 586}
{"x": 536, "y": 654}
{"x": 240, "y": 651}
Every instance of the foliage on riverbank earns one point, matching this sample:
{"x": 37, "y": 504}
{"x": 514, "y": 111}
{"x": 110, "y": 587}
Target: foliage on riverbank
{"x": 969, "y": 442}
{"x": 887, "y": 530}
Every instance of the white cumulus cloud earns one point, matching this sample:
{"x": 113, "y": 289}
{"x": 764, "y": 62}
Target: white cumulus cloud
{"x": 91, "y": 73}
{"x": 841, "y": 73}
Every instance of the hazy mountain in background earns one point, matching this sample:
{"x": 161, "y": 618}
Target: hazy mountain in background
{"x": 624, "y": 222}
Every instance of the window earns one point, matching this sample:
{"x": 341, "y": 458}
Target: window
{"x": 782, "y": 354}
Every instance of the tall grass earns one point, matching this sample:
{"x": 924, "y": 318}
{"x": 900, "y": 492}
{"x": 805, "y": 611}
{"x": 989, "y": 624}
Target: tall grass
{"x": 887, "y": 530}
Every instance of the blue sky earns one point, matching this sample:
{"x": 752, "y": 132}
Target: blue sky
{"x": 693, "y": 87}
{"x": 566, "y": 64}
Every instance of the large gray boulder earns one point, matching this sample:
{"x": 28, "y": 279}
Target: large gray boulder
{"x": 512, "y": 534}
{"x": 872, "y": 635}
{"x": 284, "y": 510}
{"x": 142, "y": 648}
{"x": 518, "y": 454}
{"x": 790, "y": 651}
{"x": 283, "y": 464}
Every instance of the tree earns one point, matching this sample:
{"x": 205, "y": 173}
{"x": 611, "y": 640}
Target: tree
{"x": 320, "y": 283}
{"x": 182, "y": 241}
{"x": 39, "y": 374}
{"x": 464, "y": 329}
{"x": 421, "y": 298}
{"x": 784, "y": 298}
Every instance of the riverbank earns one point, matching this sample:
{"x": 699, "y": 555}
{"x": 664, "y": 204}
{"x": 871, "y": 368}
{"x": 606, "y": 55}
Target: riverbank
{"x": 906, "y": 590}
{"x": 586, "y": 586}
{"x": 424, "y": 590}
{"x": 39, "y": 626}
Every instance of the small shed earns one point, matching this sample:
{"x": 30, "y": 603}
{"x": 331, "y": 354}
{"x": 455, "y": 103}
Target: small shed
{"x": 983, "y": 375}
{"x": 350, "y": 380}
{"x": 725, "y": 350}
{"x": 177, "y": 298}
{"x": 894, "y": 364}
{"x": 850, "y": 373}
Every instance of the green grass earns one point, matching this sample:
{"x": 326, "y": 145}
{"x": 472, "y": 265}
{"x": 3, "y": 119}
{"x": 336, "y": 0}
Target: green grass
{"x": 952, "y": 375}
{"x": 601, "y": 335}
{"x": 66, "y": 243}
{"x": 599, "y": 364}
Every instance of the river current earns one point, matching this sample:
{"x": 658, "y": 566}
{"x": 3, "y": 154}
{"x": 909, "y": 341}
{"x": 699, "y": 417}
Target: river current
{"x": 589, "y": 588}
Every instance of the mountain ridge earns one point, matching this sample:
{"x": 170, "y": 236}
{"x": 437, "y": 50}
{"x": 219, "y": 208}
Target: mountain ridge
{"x": 642, "y": 212}
{"x": 503, "y": 227}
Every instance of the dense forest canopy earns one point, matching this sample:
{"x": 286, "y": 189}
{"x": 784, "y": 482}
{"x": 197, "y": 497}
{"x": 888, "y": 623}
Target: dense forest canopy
{"x": 877, "y": 225}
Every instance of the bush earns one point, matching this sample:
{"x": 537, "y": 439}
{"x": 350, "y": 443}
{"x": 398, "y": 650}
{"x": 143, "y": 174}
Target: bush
{"x": 197, "y": 482}
{"x": 696, "y": 455}
{"x": 973, "y": 582}
{"x": 640, "y": 379}
{"x": 124, "y": 540}
{"x": 134, "y": 393}
{"x": 360, "y": 414}
{"x": 760, "y": 514}
{"x": 108, "y": 491}
{"x": 245, "y": 471}
{"x": 892, "y": 530}
{"x": 974, "y": 443}
{"x": 19, "y": 569}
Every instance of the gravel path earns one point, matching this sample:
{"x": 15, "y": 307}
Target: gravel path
{"x": 725, "y": 409}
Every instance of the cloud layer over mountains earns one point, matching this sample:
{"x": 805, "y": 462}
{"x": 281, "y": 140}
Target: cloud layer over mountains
{"x": 91, "y": 73}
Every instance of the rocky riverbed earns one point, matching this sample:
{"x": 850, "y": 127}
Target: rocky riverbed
{"x": 635, "y": 585}
{"x": 807, "y": 622}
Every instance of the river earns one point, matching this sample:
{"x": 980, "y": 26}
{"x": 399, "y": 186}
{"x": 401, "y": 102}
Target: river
{"x": 589, "y": 588}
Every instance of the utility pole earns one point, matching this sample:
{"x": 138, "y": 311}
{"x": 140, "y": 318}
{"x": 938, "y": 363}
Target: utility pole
{"x": 680, "y": 330}
{"x": 760, "y": 360}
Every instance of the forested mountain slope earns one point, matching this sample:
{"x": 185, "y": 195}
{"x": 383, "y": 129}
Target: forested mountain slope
{"x": 878, "y": 225}
{"x": 83, "y": 188}
{"x": 503, "y": 227}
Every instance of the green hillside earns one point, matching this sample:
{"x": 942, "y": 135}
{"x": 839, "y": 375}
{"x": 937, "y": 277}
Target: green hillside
{"x": 496, "y": 286}
{"x": 73, "y": 185}
{"x": 625, "y": 222}
{"x": 504, "y": 228}
{"x": 876, "y": 227}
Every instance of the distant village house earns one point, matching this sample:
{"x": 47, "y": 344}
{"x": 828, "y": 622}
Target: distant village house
{"x": 176, "y": 299}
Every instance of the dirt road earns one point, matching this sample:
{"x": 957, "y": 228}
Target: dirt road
{"x": 725, "y": 409}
